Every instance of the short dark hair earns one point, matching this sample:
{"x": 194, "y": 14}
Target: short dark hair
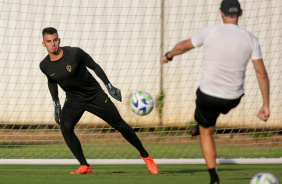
{"x": 49, "y": 30}
{"x": 231, "y": 8}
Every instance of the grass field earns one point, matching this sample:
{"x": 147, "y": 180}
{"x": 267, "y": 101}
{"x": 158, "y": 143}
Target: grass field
{"x": 130, "y": 174}
{"x": 157, "y": 150}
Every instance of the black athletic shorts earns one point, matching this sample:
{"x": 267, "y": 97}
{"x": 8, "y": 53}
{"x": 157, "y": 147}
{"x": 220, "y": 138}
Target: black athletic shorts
{"x": 208, "y": 108}
{"x": 101, "y": 106}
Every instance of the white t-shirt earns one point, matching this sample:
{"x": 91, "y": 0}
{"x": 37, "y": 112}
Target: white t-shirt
{"x": 227, "y": 50}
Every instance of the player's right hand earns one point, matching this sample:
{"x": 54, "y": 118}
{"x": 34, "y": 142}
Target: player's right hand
{"x": 164, "y": 59}
{"x": 57, "y": 112}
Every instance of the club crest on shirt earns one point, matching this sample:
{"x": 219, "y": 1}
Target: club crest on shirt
{"x": 68, "y": 67}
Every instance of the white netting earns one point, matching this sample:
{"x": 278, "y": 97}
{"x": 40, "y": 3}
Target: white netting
{"x": 125, "y": 37}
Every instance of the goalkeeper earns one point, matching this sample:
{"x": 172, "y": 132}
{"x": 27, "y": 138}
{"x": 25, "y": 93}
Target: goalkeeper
{"x": 67, "y": 66}
{"x": 227, "y": 50}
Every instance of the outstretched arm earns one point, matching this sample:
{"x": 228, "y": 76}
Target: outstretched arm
{"x": 263, "y": 81}
{"x": 179, "y": 48}
{"x": 98, "y": 70}
{"x": 90, "y": 63}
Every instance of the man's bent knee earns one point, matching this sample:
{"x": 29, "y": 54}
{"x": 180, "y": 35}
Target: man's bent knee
{"x": 66, "y": 130}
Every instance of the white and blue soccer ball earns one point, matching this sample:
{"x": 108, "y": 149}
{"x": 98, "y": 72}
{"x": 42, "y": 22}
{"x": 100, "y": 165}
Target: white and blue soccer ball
{"x": 264, "y": 178}
{"x": 141, "y": 103}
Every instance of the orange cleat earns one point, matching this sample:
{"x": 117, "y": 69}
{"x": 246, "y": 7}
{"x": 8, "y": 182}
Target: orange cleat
{"x": 83, "y": 170}
{"x": 151, "y": 165}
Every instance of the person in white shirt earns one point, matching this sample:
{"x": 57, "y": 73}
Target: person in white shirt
{"x": 227, "y": 50}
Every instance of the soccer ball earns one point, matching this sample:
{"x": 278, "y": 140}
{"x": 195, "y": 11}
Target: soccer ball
{"x": 141, "y": 103}
{"x": 264, "y": 178}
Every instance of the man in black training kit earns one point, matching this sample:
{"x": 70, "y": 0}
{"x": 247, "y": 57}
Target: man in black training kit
{"x": 67, "y": 66}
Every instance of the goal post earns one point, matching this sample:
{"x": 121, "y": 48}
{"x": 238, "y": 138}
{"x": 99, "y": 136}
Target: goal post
{"x": 127, "y": 38}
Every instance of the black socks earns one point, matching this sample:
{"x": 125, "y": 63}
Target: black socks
{"x": 213, "y": 175}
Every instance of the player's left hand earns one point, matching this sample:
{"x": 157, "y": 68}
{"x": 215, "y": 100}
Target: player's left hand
{"x": 164, "y": 59}
{"x": 114, "y": 92}
{"x": 263, "y": 113}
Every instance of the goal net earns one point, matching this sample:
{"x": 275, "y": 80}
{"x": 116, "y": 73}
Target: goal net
{"x": 127, "y": 38}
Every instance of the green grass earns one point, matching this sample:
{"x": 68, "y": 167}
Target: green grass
{"x": 157, "y": 150}
{"x": 131, "y": 174}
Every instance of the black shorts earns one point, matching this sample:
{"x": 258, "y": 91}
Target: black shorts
{"x": 208, "y": 108}
{"x": 101, "y": 106}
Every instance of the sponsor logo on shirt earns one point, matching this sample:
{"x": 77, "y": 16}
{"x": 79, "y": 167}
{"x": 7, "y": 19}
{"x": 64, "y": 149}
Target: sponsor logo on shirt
{"x": 68, "y": 67}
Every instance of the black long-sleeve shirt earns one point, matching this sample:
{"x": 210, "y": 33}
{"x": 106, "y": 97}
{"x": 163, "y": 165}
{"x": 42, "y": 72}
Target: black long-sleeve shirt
{"x": 71, "y": 74}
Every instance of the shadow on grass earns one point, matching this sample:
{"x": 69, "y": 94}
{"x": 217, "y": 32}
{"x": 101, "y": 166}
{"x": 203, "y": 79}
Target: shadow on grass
{"x": 195, "y": 171}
